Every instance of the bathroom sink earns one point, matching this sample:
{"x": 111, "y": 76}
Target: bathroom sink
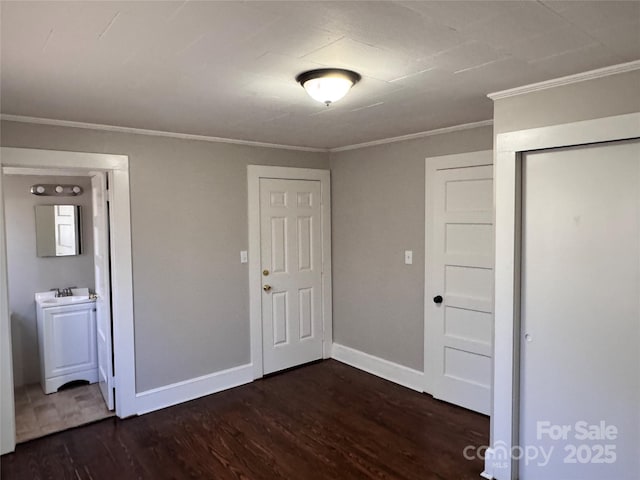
{"x": 67, "y": 338}
{"x": 55, "y": 301}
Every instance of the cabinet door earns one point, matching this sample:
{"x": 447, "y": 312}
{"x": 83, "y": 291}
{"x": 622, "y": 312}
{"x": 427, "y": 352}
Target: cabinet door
{"x": 70, "y": 344}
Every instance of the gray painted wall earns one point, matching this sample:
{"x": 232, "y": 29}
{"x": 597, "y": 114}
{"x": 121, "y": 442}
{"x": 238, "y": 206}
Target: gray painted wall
{"x": 378, "y": 196}
{"x": 29, "y": 273}
{"x": 598, "y": 98}
{"x": 189, "y": 224}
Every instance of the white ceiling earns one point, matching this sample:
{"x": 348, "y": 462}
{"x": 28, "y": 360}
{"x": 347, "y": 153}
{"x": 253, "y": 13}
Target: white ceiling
{"x": 227, "y": 69}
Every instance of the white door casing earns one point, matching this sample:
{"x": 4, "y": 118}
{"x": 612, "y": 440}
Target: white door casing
{"x": 580, "y": 310}
{"x": 459, "y": 279}
{"x": 101, "y": 257}
{"x": 509, "y": 148}
{"x": 7, "y": 410}
{"x": 42, "y": 162}
{"x": 291, "y": 253}
{"x": 309, "y": 288}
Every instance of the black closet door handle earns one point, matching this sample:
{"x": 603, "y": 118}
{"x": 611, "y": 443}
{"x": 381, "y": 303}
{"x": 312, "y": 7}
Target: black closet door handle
{"x": 437, "y": 299}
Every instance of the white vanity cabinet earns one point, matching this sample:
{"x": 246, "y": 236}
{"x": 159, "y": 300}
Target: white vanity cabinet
{"x": 67, "y": 343}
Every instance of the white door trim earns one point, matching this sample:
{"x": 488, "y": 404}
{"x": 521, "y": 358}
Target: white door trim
{"x": 506, "y": 377}
{"x": 254, "y": 174}
{"x": 431, "y": 167}
{"x": 117, "y": 168}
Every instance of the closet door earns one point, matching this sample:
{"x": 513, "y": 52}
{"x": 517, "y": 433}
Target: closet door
{"x": 580, "y": 313}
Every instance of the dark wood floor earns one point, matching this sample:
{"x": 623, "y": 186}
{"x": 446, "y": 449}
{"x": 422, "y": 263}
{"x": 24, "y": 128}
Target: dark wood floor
{"x": 322, "y": 421}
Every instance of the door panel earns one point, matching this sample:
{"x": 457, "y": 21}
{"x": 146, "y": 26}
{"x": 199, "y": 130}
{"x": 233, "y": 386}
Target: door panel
{"x": 291, "y": 253}
{"x": 65, "y": 327}
{"x": 461, "y": 271}
{"x": 580, "y": 312}
{"x": 305, "y": 302}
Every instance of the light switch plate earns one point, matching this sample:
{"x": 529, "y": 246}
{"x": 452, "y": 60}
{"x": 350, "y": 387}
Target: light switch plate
{"x": 243, "y": 256}
{"x": 408, "y": 257}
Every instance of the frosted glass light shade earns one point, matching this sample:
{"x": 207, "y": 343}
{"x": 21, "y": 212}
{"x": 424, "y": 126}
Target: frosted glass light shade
{"x": 328, "y": 85}
{"x": 328, "y": 89}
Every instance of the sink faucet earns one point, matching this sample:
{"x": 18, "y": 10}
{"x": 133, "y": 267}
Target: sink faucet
{"x": 63, "y": 292}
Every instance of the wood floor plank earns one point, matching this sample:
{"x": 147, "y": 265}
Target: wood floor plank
{"x": 321, "y": 421}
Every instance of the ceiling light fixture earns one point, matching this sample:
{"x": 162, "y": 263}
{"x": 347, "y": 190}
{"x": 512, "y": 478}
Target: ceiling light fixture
{"x": 328, "y": 85}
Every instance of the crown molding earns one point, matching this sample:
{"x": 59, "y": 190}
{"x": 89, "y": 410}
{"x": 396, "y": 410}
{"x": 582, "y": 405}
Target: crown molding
{"x": 155, "y": 133}
{"x": 205, "y": 138}
{"x": 569, "y": 79}
{"x": 412, "y": 136}
{"x": 43, "y": 172}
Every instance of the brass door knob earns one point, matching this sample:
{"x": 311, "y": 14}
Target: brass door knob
{"x": 266, "y": 288}
{"x": 265, "y": 272}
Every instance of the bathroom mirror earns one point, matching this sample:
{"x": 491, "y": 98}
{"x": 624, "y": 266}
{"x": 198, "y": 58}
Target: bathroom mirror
{"x": 58, "y": 230}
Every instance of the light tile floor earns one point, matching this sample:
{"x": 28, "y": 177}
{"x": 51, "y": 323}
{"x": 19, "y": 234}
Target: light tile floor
{"x": 38, "y": 414}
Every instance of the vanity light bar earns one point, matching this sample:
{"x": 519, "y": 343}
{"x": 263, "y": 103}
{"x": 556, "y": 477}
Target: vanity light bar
{"x": 52, "y": 190}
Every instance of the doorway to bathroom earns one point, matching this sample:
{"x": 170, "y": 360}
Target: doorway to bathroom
{"x": 67, "y": 311}
{"x": 59, "y": 299}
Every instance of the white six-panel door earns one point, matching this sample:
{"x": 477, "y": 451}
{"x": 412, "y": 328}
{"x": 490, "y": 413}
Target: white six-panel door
{"x": 580, "y": 313}
{"x": 291, "y": 257}
{"x": 459, "y": 279}
{"x": 103, "y": 288}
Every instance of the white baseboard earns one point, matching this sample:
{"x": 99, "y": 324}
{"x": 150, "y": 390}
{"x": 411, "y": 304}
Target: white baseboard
{"x": 168, "y": 395}
{"x": 394, "y": 372}
{"x": 487, "y": 473}
{"x": 180, "y": 392}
